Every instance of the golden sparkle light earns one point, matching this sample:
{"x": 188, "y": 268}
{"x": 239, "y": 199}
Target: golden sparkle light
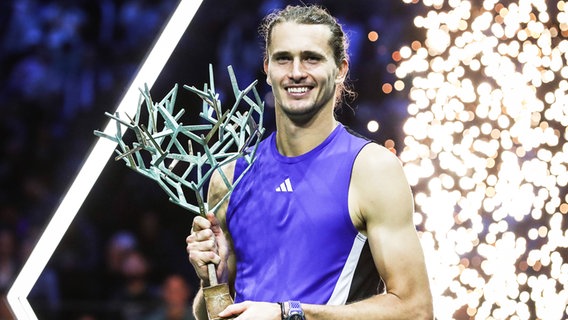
{"x": 486, "y": 152}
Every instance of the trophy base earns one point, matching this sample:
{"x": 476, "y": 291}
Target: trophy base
{"x": 217, "y": 298}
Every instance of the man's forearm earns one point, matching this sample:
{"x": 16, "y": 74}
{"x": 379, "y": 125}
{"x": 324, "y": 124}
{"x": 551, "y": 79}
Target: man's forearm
{"x": 379, "y": 307}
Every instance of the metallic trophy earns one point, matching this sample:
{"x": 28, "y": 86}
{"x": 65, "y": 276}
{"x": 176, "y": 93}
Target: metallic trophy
{"x": 163, "y": 150}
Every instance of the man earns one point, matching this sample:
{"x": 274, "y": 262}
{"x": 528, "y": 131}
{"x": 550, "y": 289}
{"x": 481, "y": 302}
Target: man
{"x": 321, "y": 225}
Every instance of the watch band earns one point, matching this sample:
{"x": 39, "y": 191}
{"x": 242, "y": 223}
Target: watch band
{"x": 292, "y": 310}
{"x": 282, "y": 310}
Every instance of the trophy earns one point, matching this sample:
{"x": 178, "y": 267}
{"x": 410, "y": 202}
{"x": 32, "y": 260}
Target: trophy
{"x": 181, "y": 158}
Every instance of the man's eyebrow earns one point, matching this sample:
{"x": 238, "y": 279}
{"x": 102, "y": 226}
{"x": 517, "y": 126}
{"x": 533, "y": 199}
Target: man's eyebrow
{"x": 312, "y": 53}
{"x": 305, "y": 53}
{"x": 280, "y": 54}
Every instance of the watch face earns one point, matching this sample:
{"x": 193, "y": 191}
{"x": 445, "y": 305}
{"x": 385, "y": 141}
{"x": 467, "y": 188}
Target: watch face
{"x": 296, "y": 317}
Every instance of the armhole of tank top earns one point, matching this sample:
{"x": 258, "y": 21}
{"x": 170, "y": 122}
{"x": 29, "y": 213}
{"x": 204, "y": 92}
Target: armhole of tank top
{"x": 240, "y": 166}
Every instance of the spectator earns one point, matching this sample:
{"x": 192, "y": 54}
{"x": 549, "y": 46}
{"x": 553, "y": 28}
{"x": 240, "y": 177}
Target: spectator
{"x": 118, "y": 247}
{"x": 176, "y": 300}
{"x": 137, "y": 296}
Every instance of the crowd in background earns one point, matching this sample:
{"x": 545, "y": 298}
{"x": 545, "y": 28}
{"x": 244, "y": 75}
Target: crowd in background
{"x": 62, "y": 65}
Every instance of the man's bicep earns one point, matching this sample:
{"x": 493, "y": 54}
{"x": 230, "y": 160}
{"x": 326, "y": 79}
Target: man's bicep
{"x": 387, "y": 206}
{"x": 394, "y": 242}
{"x": 398, "y": 255}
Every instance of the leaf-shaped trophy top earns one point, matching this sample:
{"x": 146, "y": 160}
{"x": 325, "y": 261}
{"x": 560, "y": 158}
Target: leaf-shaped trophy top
{"x": 164, "y": 149}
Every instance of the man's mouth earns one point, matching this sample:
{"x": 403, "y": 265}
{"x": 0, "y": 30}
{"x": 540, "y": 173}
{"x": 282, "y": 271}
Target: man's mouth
{"x": 298, "y": 90}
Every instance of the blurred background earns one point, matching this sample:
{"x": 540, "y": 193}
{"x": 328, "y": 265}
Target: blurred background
{"x": 471, "y": 95}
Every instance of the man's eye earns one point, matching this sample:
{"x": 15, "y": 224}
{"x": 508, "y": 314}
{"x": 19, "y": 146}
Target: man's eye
{"x": 313, "y": 59}
{"x": 282, "y": 59}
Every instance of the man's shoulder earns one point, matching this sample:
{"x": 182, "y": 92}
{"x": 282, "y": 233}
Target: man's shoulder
{"x": 379, "y": 181}
{"x": 378, "y": 172}
{"x": 376, "y": 156}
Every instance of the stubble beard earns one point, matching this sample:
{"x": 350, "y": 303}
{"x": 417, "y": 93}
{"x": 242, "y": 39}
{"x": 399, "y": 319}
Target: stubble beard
{"x": 301, "y": 112}
{"x": 303, "y": 115}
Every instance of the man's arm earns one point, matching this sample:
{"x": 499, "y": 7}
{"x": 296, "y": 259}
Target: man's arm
{"x": 382, "y": 206}
{"x": 210, "y": 242}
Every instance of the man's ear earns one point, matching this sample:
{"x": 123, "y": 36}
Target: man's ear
{"x": 342, "y": 74}
{"x": 265, "y": 67}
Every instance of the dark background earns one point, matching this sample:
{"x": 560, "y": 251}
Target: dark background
{"x": 64, "y": 63}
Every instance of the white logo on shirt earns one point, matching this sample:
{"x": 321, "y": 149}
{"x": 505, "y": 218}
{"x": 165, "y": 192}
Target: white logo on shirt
{"x": 285, "y": 186}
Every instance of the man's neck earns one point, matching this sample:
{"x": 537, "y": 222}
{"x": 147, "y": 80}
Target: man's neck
{"x": 293, "y": 139}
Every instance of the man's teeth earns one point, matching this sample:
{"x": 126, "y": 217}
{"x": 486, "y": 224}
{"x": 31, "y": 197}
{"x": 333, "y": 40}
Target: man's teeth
{"x": 298, "y": 90}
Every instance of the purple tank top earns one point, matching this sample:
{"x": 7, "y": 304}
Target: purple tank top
{"x": 292, "y": 233}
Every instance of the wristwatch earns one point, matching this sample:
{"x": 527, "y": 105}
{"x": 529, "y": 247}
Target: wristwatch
{"x": 292, "y": 310}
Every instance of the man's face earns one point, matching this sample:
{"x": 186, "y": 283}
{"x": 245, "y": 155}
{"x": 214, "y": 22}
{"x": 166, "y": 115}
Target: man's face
{"x": 301, "y": 69}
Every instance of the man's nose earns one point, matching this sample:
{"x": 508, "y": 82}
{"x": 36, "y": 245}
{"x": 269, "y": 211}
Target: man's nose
{"x": 297, "y": 72}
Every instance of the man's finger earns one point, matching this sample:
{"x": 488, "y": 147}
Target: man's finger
{"x": 234, "y": 309}
{"x": 200, "y": 223}
{"x": 200, "y": 258}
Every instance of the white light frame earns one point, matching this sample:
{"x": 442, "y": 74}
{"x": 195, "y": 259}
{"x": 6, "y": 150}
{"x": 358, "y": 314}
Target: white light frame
{"x": 168, "y": 40}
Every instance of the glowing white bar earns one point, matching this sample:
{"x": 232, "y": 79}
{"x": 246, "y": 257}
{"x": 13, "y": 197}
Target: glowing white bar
{"x": 96, "y": 161}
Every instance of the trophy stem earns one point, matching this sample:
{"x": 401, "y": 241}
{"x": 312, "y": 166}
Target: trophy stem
{"x": 212, "y": 275}
{"x": 217, "y": 296}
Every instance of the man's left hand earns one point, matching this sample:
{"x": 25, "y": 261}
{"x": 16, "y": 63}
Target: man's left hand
{"x": 250, "y": 310}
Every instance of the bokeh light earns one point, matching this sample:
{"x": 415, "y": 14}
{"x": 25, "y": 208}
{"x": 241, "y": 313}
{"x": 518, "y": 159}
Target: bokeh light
{"x": 486, "y": 152}
{"x": 373, "y": 126}
{"x": 373, "y": 36}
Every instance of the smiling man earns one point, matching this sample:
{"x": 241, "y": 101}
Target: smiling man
{"x": 302, "y": 70}
{"x": 321, "y": 226}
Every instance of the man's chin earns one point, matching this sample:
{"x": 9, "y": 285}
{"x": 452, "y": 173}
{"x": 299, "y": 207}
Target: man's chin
{"x": 300, "y": 113}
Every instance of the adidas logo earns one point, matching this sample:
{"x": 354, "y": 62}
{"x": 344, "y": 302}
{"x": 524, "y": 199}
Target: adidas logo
{"x": 285, "y": 186}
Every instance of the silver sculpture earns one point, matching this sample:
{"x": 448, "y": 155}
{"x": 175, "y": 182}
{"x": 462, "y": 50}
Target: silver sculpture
{"x": 182, "y": 158}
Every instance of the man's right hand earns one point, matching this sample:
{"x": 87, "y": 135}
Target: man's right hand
{"x": 207, "y": 244}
